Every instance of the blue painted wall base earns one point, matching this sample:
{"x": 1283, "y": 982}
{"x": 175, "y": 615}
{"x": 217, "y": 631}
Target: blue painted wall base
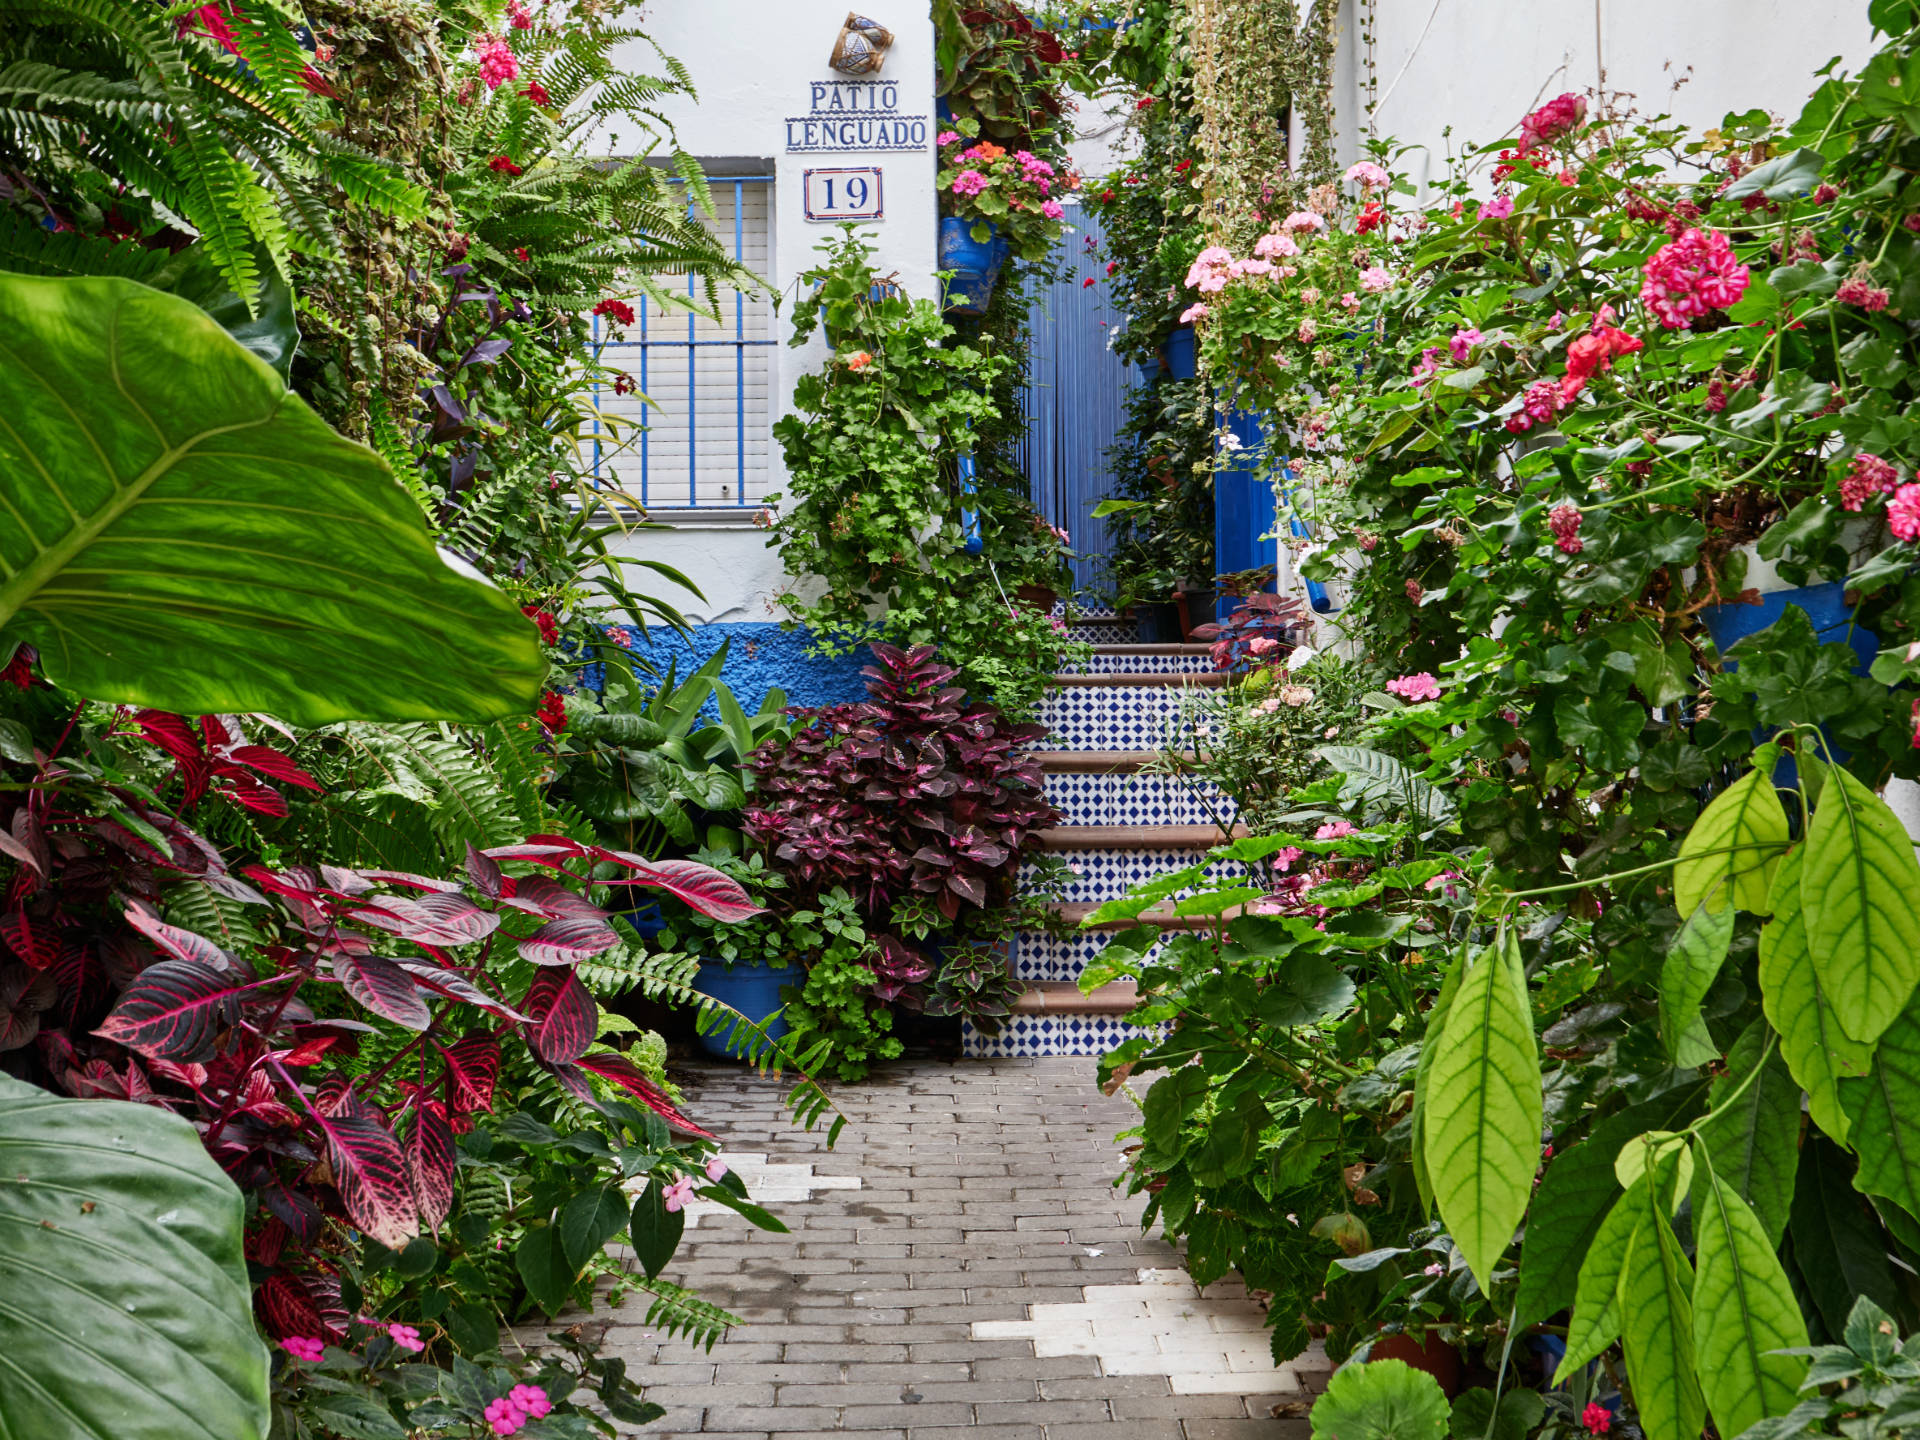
{"x": 761, "y": 657}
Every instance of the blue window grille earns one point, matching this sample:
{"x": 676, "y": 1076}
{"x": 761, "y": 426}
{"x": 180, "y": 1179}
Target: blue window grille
{"x": 707, "y": 436}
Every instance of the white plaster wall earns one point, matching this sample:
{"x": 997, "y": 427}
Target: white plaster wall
{"x": 1479, "y": 65}
{"x": 753, "y": 63}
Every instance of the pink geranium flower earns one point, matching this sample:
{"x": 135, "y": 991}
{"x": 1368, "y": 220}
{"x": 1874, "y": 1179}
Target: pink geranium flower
{"x": 1869, "y": 476}
{"x": 1375, "y": 279}
{"x": 498, "y": 63}
{"x": 1268, "y": 246}
{"x": 1368, "y": 174}
{"x": 1193, "y": 313}
{"x": 1690, "y": 276}
{"x": 1334, "y": 830}
{"x": 1903, "y": 512}
{"x": 1415, "y": 688}
{"x": 969, "y": 182}
{"x": 1557, "y": 117}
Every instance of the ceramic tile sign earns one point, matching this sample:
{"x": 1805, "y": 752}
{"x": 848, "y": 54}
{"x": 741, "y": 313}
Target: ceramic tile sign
{"x": 845, "y": 115}
{"x": 847, "y": 194}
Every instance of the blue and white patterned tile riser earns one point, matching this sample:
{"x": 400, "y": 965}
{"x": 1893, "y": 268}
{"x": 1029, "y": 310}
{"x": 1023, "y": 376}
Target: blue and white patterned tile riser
{"x": 1111, "y": 717}
{"x": 1040, "y": 956}
{"x": 1129, "y": 799}
{"x": 1099, "y": 664}
{"x": 1104, "y": 632}
{"x": 1025, "y": 1035}
{"x": 1109, "y": 874}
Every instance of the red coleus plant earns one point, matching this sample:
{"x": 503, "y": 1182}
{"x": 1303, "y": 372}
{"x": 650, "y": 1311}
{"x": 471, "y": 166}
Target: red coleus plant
{"x": 103, "y": 994}
{"x": 914, "y": 792}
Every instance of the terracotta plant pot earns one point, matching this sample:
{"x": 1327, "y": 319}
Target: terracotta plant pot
{"x": 1432, "y": 1355}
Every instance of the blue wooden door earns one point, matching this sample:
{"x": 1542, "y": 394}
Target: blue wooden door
{"x": 1076, "y": 396}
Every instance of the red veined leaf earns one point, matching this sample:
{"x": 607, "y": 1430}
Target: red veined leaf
{"x": 455, "y": 986}
{"x": 176, "y": 1010}
{"x": 24, "y": 995}
{"x": 430, "y": 1161}
{"x": 33, "y": 941}
{"x": 432, "y": 919}
{"x": 549, "y": 899}
{"x": 484, "y": 873}
{"x": 295, "y": 1211}
{"x": 181, "y": 944}
{"x": 473, "y": 1067}
{"x": 565, "y": 1019}
{"x": 384, "y": 988}
{"x": 234, "y": 889}
{"x": 251, "y": 794}
{"x": 307, "y": 1052}
{"x": 568, "y": 941}
{"x": 343, "y": 881}
{"x": 623, "y": 1072}
{"x": 221, "y": 732}
{"x": 298, "y": 883}
{"x": 271, "y": 762}
{"x": 171, "y": 733}
{"x": 370, "y": 1172}
{"x": 412, "y": 881}
{"x": 27, "y": 842}
{"x": 287, "y": 1311}
{"x": 558, "y": 842}
{"x": 553, "y": 856}
{"x": 574, "y": 1078}
{"x": 717, "y": 896}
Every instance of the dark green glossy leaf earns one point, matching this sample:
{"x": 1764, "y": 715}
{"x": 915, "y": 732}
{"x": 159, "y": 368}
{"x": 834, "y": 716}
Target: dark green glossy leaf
{"x": 1752, "y": 1133}
{"x": 655, "y": 1230}
{"x": 1837, "y": 1245}
{"x": 588, "y": 1221}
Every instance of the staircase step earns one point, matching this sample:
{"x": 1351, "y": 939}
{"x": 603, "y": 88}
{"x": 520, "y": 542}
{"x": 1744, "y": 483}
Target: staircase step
{"x": 1211, "y": 679}
{"x": 1119, "y": 712}
{"x": 1076, "y": 913}
{"x": 1147, "y": 659}
{"x": 1135, "y": 837}
{"x": 1123, "y": 795}
{"x": 1092, "y": 762}
{"x": 1050, "y": 1032}
{"x": 1063, "y": 997}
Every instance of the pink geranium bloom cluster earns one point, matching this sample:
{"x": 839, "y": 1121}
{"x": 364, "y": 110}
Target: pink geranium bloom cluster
{"x": 518, "y": 16}
{"x": 1498, "y": 208}
{"x": 1209, "y": 271}
{"x": 1868, "y": 476}
{"x": 1690, "y": 276}
{"x": 519, "y": 1405}
{"x": 1367, "y": 174}
{"x": 1340, "y": 829}
{"x": 1559, "y": 116}
{"x": 1304, "y": 222}
{"x": 969, "y": 182}
{"x": 1375, "y": 279}
{"x": 1856, "y": 291}
{"x": 1196, "y": 311}
{"x": 1052, "y": 209}
{"x": 498, "y": 63}
{"x": 1564, "y": 521}
{"x": 1270, "y": 245}
{"x": 1903, "y": 512}
{"x": 946, "y": 138}
{"x": 1034, "y": 170}
{"x": 1541, "y": 402}
{"x": 1413, "y": 688}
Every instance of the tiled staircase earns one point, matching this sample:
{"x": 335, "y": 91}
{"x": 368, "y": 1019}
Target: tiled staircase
{"x": 1120, "y": 827}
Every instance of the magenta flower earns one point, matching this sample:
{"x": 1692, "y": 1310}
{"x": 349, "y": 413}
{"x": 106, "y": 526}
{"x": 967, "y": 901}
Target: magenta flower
{"x": 407, "y": 1338}
{"x": 1857, "y": 291}
{"x": 1559, "y": 115}
{"x": 1415, "y": 688}
{"x": 1498, "y": 208}
{"x": 498, "y": 63}
{"x": 946, "y": 137}
{"x": 504, "y": 1417}
{"x": 1460, "y": 347}
{"x": 969, "y": 182}
{"x": 1334, "y": 830}
{"x": 1903, "y": 512}
{"x": 518, "y": 16}
{"x": 1283, "y": 859}
{"x": 1869, "y": 476}
{"x": 678, "y": 1193}
{"x": 1564, "y": 521}
{"x": 302, "y": 1348}
{"x": 531, "y": 1399}
{"x": 1052, "y": 209}
{"x": 1690, "y": 276}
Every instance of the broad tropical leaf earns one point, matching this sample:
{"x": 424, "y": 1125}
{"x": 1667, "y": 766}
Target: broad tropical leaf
{"x": 430, "y": 1161}
{"x": 1596, "y": 1306}
{"x": 123, "y": 1286}
{"x": 456, "y": 986}
{"x": 370, "y": 1171}
{"x": 1656, "y": 1328}
{"x": 1857, "y": 883}
{"x": 382, "y": 987}
{"x": 1752, "y": 1135}
{"x": 565, "y": 1019}
{"x": 1743, "y": 1311}
{"x": 1883, "y": 1115}
{"x": 1483, "y": 1108}
{"x": 1816, "y": 1050}
{"x": 443, "y": 919}
{"x": 1747, "y": 824}
{"x": 1692, "y": 965}
{"x": 171, "y": 503}
{"x": 176, "y": 1010}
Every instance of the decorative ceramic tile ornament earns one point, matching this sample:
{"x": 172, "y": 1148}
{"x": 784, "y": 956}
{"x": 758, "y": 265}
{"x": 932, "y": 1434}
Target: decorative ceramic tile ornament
{"x": 862, "y": 46}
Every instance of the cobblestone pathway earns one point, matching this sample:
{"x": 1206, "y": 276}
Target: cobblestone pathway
{"x": 958, "y": 1269}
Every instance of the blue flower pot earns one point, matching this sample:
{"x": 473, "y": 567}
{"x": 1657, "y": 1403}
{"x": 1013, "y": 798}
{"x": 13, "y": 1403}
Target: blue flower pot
{"x": 1183, "y": 354}
{"x": 754, "y": 991}
{"x": 647, "y": 920}
{"x": 1149, "y": 371}
{"x": 975, "y": 265}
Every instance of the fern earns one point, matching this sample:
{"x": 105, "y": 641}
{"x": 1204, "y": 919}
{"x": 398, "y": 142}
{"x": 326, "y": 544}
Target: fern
{"x": 677, "y": 1312}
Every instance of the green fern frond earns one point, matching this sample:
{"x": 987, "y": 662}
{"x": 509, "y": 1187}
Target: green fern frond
{"x": 678, "y": 1312}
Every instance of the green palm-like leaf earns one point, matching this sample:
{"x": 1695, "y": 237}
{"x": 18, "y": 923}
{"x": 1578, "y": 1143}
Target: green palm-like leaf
{"x": 123, "y": 1290}
{"x": 181, "y": 531}
{"x": 1743, "y": 1310}
{"x": 1817, "y": 1051}
{"x": 1732, "y": 849}
{"x": 1857, "y": 883}
{"x": 1656, "y": 1329}
{"x": 1483, "y": 1108}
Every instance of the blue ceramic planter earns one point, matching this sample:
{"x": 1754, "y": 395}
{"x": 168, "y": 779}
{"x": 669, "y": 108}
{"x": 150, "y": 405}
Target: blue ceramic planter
{"x": 753, "y": 990}
{"x": 1183, "y": 354}
{"x": 974, "y": 265}
{"x": 647, "y": 920}
{"x": 1243, "y": 513}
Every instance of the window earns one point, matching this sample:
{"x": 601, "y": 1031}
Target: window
{"x": 708, "y": 435}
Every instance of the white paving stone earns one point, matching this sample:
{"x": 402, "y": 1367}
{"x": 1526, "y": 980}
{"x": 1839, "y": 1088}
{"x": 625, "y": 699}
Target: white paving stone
{"x": 767, "y": 1183}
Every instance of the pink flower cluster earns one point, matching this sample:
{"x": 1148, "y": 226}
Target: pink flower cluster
{"x": 1412, "y": 688}
{"x": 969, "y": 182}
{"x": 1869, "y": 476}
{"x": 1564, "y": 521}
{"x": 407, "y": 1338}
{"x": 519, "y": 1405}
{"x": 1903, "y": 512}
{"x": 1274, "y": 243}
{"x": 1368, "y": 175}
{"x": 1690, "y": 276}
{"x": 498, "y": 63}
{"x": 1210, "y": 269}
{"x": 1375, "y": 279}
{"x": 946, "y": 138}
{"x": 1498, "y": 208}
{"x": 1538, "y": 405}
{"x": 1856, "y": 291}
{"x": 1196, "y": 311}
{"x": 1304, "y": 221}
{"x": 1460, "y": 347}
{"x": 1034, "y": 170}
{"x": 518, "y": 16}
{"x": 302, "y": 1347}
{"x": 1559, "y": 116}
{"x": 1340, "y": 829}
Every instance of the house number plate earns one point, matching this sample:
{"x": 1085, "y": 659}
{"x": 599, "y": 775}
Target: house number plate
{"x": 844, "y": 194}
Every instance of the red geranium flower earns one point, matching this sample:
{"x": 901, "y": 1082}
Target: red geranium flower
{"x": 520, "y": 254}
{"x": 549, "y": 627}
{"x": 617, "y": 311}
{"x": 552, "y": 712}
{"x": 623, "y": 384}
{"x": 503, "y": 165}
{"x": 537, "y": 93}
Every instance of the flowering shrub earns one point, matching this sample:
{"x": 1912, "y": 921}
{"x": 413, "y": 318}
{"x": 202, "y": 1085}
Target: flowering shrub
{"x": 993, "y": 186}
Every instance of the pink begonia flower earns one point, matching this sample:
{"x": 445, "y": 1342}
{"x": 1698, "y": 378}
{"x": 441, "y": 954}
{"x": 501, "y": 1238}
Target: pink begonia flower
{"x": 498, "y": 63}
{"x": 303, "y": 1348}
{"x": 407, "y": 1338}
{"x": 1375, "y": 279}
{"x": 1193, "y": 313}
{"x": 1690, "y": 276}
{"x": 716, "y": 1169}
{"x": 532, "y": 1399}
{"x": 1052, "y": 209}
{"x": 1334, "y": 830}
{"x": 1268, "y": 246}
{"x": 1368, "y": 174}
{"x": 1415, "y": 687}
{"x": 1304, "y": 220}
{"x": 946, "y": 137}
{"x": 678, "y": 1193}
{"x": 969, "y": 182}
{"x": 1498, "y": 208}
{"x": 1462, "y": 344}
{"x": 1903, "y": 512}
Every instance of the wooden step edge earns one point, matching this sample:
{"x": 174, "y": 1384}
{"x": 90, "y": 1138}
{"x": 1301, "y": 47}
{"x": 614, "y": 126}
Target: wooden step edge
{"x": 1075, "y": 913}
{"x": 1063, "y": 997}
{"x": 1135, "y": 837}
{"x": 1210, "y": 679}
{"x": 1098, "y": 762}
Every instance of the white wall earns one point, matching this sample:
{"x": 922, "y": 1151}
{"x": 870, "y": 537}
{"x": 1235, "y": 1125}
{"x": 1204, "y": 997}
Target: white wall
{"x": 754, "y": 63}
{"x": 1482, "y": 64}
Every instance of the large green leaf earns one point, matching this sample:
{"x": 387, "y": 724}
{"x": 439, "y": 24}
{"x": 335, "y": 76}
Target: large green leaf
{"x": 178, "y": 530}
{"x": 124, "y": 1299}
{"x": 1386, "y": 1400}
{"x": 1743, "y": 1311}
{"x": 1693, "y": 963}
{"x": 1731, "y": 851}
{"x": 1858, "y": 881}
{"x": 1656, "y": 1328}
{"x": 1483, "y": 1108}
{"x": 1838, "y": 1246}
{"x": 1436, "y": 1022}
{"x": 1883, "y": 1116}
{"x": 1596, "y": 1305}
{"x": 1817, "y": 1051}
{"x": 1752, "y": 1134}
